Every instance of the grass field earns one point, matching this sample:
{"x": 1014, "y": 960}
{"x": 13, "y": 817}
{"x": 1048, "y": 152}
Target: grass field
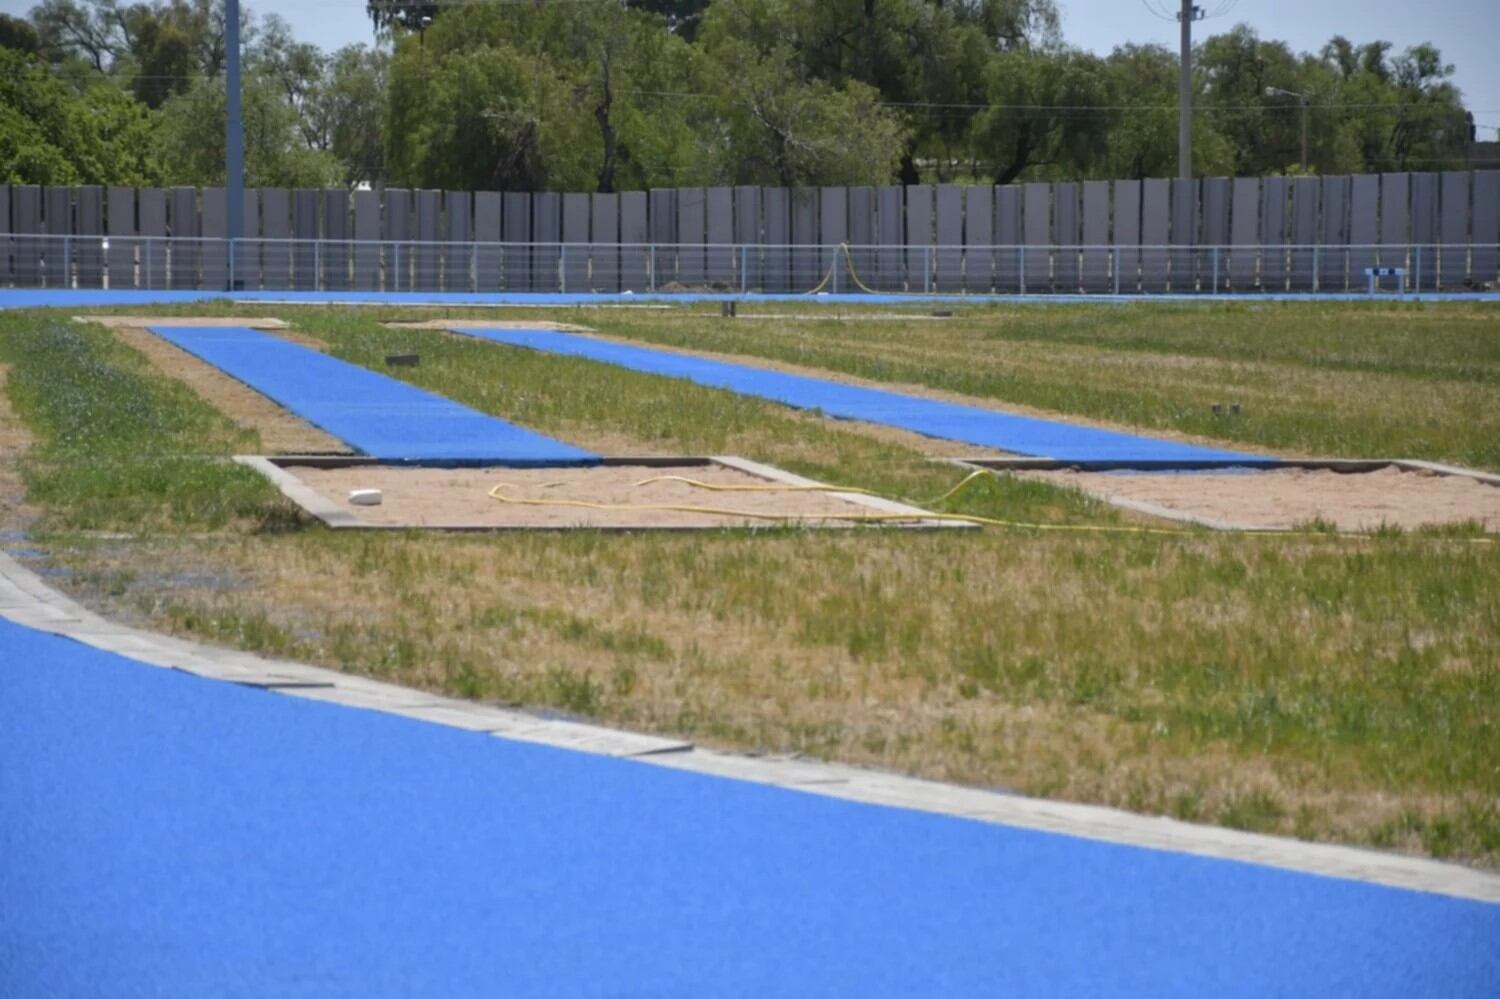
{"x": 1333, "y": 689}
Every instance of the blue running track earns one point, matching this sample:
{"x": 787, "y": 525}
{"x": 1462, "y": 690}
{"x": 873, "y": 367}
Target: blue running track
{"x": 970, "y": 424}
{"x": 376, "y": 415}
{"x": 161, "y": 834}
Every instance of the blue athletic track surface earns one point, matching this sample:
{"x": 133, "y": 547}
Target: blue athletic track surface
{"x": 376, "y": 415}
{"x": 83, "y": 298}
{"x": 163, "y": 834}
{"x": 991, "y": 428}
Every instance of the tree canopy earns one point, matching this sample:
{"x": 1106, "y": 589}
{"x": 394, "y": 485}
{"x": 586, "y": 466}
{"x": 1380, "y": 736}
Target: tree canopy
{"x": 612, "y": 95}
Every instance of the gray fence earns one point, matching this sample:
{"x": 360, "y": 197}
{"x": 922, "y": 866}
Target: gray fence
{"x": 1277, "y": 233}
{"x": 184, "y": 262}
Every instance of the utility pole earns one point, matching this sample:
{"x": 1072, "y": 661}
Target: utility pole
{"x": 234, "y": 139}
{"x": 1190, "y": 13}
{"x": 1306, "y": 101}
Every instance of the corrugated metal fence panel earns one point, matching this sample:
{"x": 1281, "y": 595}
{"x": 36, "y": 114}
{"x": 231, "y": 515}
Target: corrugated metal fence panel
{"x": 120, "y": 224}
{"x": 335, "y": 259}
{"x": 804, "y": 233}
{"x": 1454, "y": 229}
{"x": 604, "y": 261}
{"x": 152, "y": 205}
{"x": 398, "y": 234}
{"x": 1096, "y": 226}
{"x": 919, "y": 237}
{"x": 776, "y": 210}
{"x": 749, "y": 233}
{"x": 1364, "y": 225}
{"x": 305, "y": 223}
{"x": 692, "y": 211}
{"x": 833, "y": 229}
{"x": 214, "y": 226}
{"x": 1333, "y": 257}
{"x": 1244, "y": 232}
{"x": 719, "y": 220}
{"x": 1036, "y": 234}
{"x": 247, "y": 254}
{"x": 948, "y": 262}
{"x": 1424, "y": 229}
{"x": 6, "y": 243}
{"x": 979, "y": 237}
{"x": 515, "y": 233}
{"x": 1301, "y": 259}
{"x": 89, "y": 223}
{"x": 1156, "y": 223}
{"x": 427, "y": 268}
{"x": 1395, "y": 223}
{"x": 862, "y": 234}
{"x": 634, "y": 234}
{"x": 367, "y": 240}
{"x": 1065, "y": 233}
{"x": 457, "y": 259}
{"x": 575, "y": 230}
{"x": 1184, "y": 234}
{"x": 489, "y": 266}
{"x": 1008, "y": 238}
{"x": 26, "y": 218}
{"x": 1214, "y": 232}
{"x": 276, "y": 226}
{"x": 57, "y": 208}
{"x": 662, "y": 215}
{"x": 183, "y": 222}
{"x": 1485, "y": 223}
{"x": 546, "y": 228}
{"x": 1273, "y": 216}
{"x": 890, "y": 231}
{"x": 1127, "y": 234}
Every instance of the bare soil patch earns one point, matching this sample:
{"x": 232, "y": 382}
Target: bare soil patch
{"x": 634, "y": 495}
{"x": 280, "y": 431}
{"x": 1284, "y": 498}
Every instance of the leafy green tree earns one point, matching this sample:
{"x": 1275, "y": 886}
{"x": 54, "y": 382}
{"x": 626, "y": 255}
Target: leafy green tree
{"x": 55, "y": 132}
{"x": 19, "y": 35}
{"x": 190, "y": 136}
{"x": 1047, "y": 109}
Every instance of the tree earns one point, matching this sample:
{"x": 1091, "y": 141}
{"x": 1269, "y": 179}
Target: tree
{"x": 53, "y": 132}
{"x": 190, "y": 135}
{"x": 19, "y": 35}
{"x": 1045, "y": 109}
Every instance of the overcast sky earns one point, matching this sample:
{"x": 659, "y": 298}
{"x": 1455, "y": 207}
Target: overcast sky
{"x": 1465, "y": 30}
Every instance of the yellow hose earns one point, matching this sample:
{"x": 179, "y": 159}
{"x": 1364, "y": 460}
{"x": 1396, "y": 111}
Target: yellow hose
{"x": 853, "y": 274}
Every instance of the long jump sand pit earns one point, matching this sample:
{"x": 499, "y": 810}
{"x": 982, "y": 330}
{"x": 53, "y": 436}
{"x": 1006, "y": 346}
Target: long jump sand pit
{"x": 621, "y": 494}
{"x": 1388, "y": 497}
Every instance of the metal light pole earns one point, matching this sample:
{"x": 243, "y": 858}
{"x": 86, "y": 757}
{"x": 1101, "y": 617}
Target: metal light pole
{"x": 234, "y": 139}
{"x": 1190, "y": 12}
{"x": 1306, "y": 100}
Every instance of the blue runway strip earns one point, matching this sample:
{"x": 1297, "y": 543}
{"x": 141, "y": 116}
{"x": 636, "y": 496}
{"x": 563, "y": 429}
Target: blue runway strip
{"x": 376, "y": 415}
{"x": 990, "y": 428}
{"x": 164, "y": 834}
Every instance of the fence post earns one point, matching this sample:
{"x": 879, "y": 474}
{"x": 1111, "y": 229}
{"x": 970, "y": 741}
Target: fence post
{"x": 1216, "y": 270}
{"x": 1417, "y": 277}
{"x": 562, "y": 269}
{"x": 1021, "y": 261}
{"x": 651, "y": 269}
{"x": 1114, "y": 264}
{"x": 231, "y": 248}
{"x": 926, "y": 270}
{"x": 744, "y": 269}
{"x": 1315, "y": 282}
{"x": 474, "y": 267}
{"x": 318, "y": 265}
{"x": 148, "y": 263}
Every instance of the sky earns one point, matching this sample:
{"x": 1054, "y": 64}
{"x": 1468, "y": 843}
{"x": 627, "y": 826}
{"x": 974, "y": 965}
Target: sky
{"x": 1465, "y": 30}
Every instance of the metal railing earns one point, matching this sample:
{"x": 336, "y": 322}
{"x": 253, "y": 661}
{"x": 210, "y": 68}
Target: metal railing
{"x": 164, "y": 262}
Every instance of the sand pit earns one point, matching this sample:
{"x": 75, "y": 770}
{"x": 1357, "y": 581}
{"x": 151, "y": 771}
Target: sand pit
{"x": 459, "y": 498}
{"x": 1290, "y": 497}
